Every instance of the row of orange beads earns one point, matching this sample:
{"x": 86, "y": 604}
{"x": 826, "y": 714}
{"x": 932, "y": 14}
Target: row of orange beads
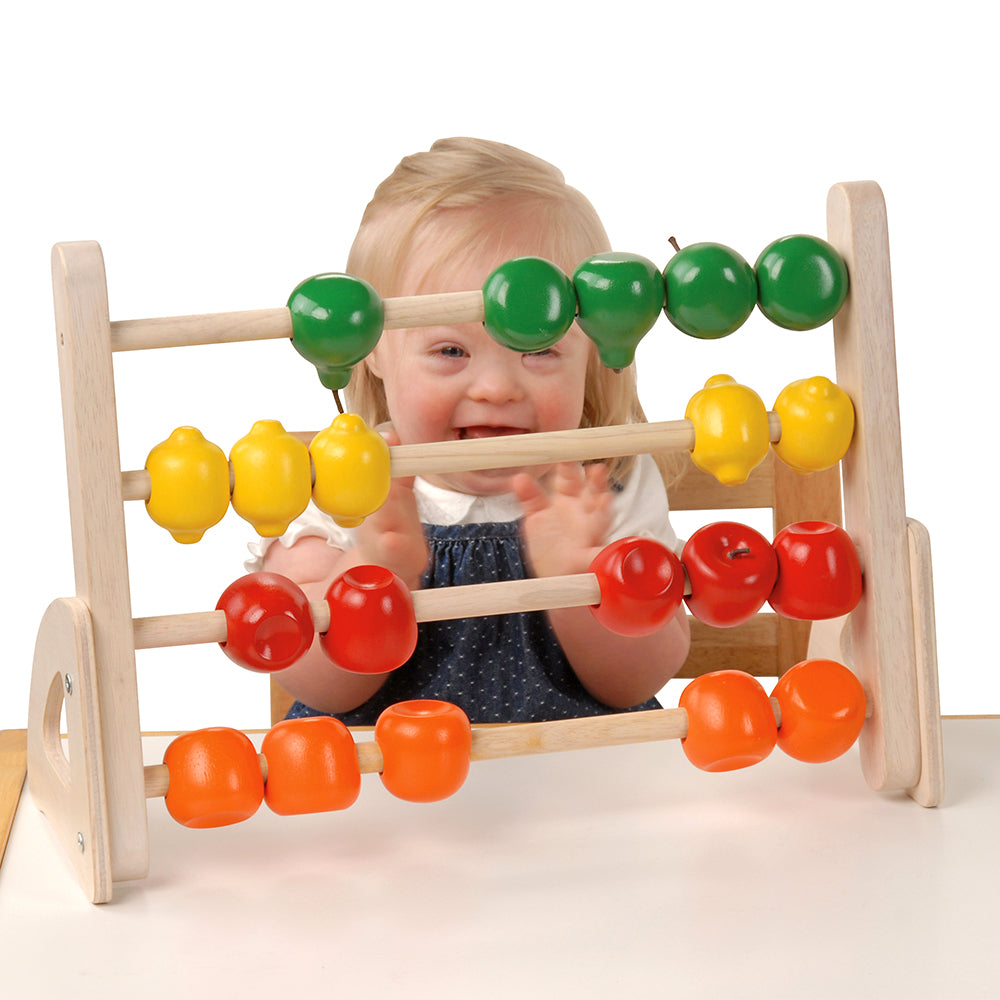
{"x": 217, "y": 778}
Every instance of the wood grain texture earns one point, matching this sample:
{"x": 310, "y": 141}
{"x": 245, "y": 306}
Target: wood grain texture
{"x": 69, "y": 783}
{"x": 13, "y": 767}
{"x": 874, "y": 506}
{"x": 443, "y": 309}
{"x": 97, "y": 521}
{"x": 929, "y": 790}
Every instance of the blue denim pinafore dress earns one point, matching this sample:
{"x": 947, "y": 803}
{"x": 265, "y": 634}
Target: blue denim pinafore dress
{"x": 501, "y": 668}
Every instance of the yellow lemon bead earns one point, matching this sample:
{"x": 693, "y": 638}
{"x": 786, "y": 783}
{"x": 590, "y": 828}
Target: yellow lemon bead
{"x": 731, "y": 433}
{"x": 189, "y": 484}
{"x": 352, "y": 470}
{"x": 817, "y": 424}
{"x": 272, "y": 478}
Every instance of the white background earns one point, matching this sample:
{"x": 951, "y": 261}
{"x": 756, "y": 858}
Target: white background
{"x": 222, "y": 152}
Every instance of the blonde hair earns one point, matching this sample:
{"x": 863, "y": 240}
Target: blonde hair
{"x": 467, "y": 196}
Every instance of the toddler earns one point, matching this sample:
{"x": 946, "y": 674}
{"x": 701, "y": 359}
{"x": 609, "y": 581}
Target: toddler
{"x": 441, "y": 222}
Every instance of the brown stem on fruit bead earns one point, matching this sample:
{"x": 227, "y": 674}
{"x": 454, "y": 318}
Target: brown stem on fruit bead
{"x": 738, "y": 552}
{"x": 672, "y": 240}
{"x": 336, "y": 399}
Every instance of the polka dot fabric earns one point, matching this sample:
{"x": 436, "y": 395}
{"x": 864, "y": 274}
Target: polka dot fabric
{"x": 501, "y": 668}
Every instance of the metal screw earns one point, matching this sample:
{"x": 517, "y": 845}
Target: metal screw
{"x": 69, "y": 684}
{"x": 80, "y": 842}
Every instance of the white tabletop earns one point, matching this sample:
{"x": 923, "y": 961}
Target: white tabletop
{"x": 600, "y": 873}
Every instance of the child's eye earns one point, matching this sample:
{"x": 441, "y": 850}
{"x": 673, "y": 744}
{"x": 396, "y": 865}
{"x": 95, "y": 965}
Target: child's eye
{"x": 549, "y": 354}
{"x": 451, "y": 351}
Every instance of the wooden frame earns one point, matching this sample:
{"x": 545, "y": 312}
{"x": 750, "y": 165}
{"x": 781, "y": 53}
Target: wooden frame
{"x": 85, "y": 652}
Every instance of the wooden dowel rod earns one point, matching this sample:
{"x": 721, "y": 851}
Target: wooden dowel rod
{"x": 437, "y": 604}
{"x": 136, "y": 485}
{"x": 584, "y": 444}
{"x": 517, "y": 740}
{"x": 191, "y": 629}
{"x": 445, "y": 309}
{"x": 523, "y": 739}
{"x": 506, "y": 597}
{"x": 208, "y": 328}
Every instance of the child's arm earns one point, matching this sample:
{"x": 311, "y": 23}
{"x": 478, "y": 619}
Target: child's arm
{"x": 564, "y": 530}
{"x": 391, "y": 537}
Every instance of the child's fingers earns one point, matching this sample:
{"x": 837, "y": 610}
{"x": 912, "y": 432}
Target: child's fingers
{"x": 530, "y": 493}
{"x": 597, "y": 478}
{"x": 569, "y": 479}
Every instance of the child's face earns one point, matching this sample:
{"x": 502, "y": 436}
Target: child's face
{"x": 456, "y": 382}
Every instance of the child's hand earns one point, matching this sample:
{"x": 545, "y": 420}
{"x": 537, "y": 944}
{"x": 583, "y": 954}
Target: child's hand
{"x": 566, "y": 526}
{"x": 393, "y": 536}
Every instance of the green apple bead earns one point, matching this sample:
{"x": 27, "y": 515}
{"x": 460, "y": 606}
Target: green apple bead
{"x": 711, "y": 290}
{"x": 802, "y": 282}
{"x": 528, "y": 304}
{"x": 620, "y": 297}
{"x": 336, "y": 321}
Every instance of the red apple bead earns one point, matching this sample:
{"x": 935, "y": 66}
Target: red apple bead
{"x": 268, "y": 622}
{"x": 215, "y": 778}
{"x": 730, "y": 721}
{"x": 641, "y": 583}
{"x": 426, "y": 749}
{"x": 822, "y": 710}
{"x": 373, "y": 626}
{"x": 312, "y": 766}
{"x": 819, "y": 574}
{"x": 732, "y": 570}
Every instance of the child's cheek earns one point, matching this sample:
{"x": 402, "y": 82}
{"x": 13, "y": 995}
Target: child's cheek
{"x": 560, "y": 408}
{"x": 422, "y": 413}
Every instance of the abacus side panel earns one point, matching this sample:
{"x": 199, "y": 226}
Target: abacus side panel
{"x": 882, "y": 632}
{"x": 70, "y": 791}
{"x": 929, "y": 791}
{"x": 97, "y": 519}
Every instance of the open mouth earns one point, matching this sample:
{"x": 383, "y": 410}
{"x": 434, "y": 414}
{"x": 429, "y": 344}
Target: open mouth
{"x": 483, "y": 431}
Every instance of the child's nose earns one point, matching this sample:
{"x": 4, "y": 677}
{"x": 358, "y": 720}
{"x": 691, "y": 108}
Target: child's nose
{"x": 497, "y": 378}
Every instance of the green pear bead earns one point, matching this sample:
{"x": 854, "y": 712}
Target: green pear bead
{"x": 337, "y": 320}
{"x": 528, "y": 304}
{"x": 620, "y": 298}
{"x": 802, "y": 282}
{"x": 710, "y": 290}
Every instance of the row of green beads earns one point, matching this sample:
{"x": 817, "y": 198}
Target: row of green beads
{"x": 799, "y": 283}
{"x": 707, "y": 290}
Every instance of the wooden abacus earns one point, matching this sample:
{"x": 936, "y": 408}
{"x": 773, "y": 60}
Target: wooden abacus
{"x": 95, "y": 799}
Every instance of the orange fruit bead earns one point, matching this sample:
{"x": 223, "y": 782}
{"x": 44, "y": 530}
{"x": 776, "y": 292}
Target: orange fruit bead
{"x": 730, "y": 721}
{"x": 215, "y": 778}
{"x": 312, "y": 766}
{"x": 822, "y": 710}
{"x": 426, "y": 747}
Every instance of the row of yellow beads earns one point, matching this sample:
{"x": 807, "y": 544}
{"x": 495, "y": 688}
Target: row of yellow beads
{"x": 269, "y": 477}
{"x": 732, "y": 430}
{"x": 270, "y": 474}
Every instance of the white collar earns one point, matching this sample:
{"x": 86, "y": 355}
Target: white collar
{"x": 438, "y": 505}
